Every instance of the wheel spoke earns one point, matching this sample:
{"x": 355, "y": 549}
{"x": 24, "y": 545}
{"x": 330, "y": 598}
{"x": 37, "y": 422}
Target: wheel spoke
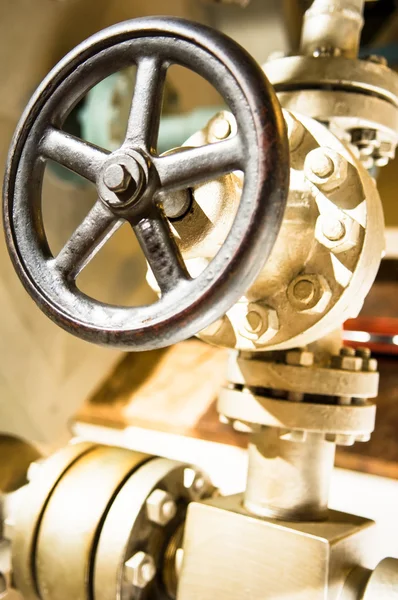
{"x": 161, "y": 251}
{"x": 97, "y": 227}
{"x": 79, "y": 156}
{"x": 146, "y": 107}
{"x": 192, "y": 166}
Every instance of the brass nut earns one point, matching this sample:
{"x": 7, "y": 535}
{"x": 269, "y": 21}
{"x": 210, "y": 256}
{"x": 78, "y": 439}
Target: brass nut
{"x": 302, "y": 358}
{"x": 161, "y": 507}
{"x": 309, "y": 293}
{"x": 325, "y": 168}
{"x": 347, "y": 360}
{"x": 220, "y": 129}
{"x": 221, "y": 126}
{"x": 338, "y": 233}
{"x": 197, "y": 483}
{"x": 256, "y": 322}
{"x": 341, "y": 439}
{"x": 140, "y": 569}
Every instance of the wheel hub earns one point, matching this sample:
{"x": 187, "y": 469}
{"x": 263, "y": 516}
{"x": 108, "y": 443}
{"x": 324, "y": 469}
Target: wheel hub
{"x": 122, "y": 179}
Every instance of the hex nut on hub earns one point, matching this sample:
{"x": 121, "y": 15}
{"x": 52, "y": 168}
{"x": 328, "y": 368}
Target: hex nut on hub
{"x": 309, "y": 293}
{"x": 337, "y": 233}
{"x": 161, "y": 507}
{"x": 256, "y": 322}
{"x": 140, "y": 569}
{"x": 121, "y": 180}
{"x": 116, "y": 178}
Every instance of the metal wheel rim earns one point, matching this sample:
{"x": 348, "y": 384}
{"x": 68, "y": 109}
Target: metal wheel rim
{"x": 190, "y": 306}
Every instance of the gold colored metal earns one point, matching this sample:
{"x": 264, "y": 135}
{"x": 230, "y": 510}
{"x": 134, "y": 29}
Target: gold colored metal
{"x": 288, "y": 480}
{"x": 332, "y": 26}
{"x": 73, "y": 518}
{"x": 229, "y": 553}
{"x": 307, "y": 292}
{"x": 352, "y": 74}
{"x": 173, "y": 562}
{"x": 383, "y": 582}
{"x": 128, "y": 529}
{"x": 326, "y": 418}
{"x": 15, "y": 458}
{"x": 316, "y": 380}
{"x": 29, "y": 515}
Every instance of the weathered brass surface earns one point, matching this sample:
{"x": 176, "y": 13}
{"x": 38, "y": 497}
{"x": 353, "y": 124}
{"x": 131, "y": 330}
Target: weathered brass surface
{"x": 327, "y": 418}
{"x": 288, "y": 479}
{"x": 29, "y": 515}
{"x": 231, "y": 554}
{"x": 332, "y": 226}
{"x": 128, "y": 527}
{"x": 317, "y": 380}
{"x": 73, "y": 518}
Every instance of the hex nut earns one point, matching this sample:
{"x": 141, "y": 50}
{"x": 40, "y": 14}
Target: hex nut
{"x": 347, "y": 360}
{"x": 325, "y": 168}
{"x": 221, "y": 126}
{"x": 116, "y": 177}
{"x": 341, "y": 439}
{"x": 300, "y": 358}
{"x": 255, "y": 321}
{"x": 161, "y": 507}
{"x": 337, "y": 233}
{"x": 309, "y": 293}
{"x": 140, "y": 569}
{"x": 197, "y": 483}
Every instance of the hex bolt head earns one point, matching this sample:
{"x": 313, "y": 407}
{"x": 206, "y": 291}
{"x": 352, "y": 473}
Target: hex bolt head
{"x": 161, "y": 507}
{"x": 299, "y": 358}
{"x": 325, "y": 168}
{"x": 337, "y": 232}
{"x": 117, "y": 178}
{"x": 309, "y": 293}
{"x": 321, "y": 165}
{"x": 333, "y": 229}
{"x": 341, "y": 439}
{"x": 255, "y": 322}
{"x": 347, "y": 360}
{"x": 221, "y": 128}
{"x": 140, "y": 569}
{"x": 197, "y": 483}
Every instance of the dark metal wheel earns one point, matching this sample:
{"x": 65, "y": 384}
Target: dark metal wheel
{"x": 128, "y": 182}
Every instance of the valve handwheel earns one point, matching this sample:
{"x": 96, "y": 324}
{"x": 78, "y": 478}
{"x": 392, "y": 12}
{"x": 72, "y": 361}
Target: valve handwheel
{"x": 129, "y": 179}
